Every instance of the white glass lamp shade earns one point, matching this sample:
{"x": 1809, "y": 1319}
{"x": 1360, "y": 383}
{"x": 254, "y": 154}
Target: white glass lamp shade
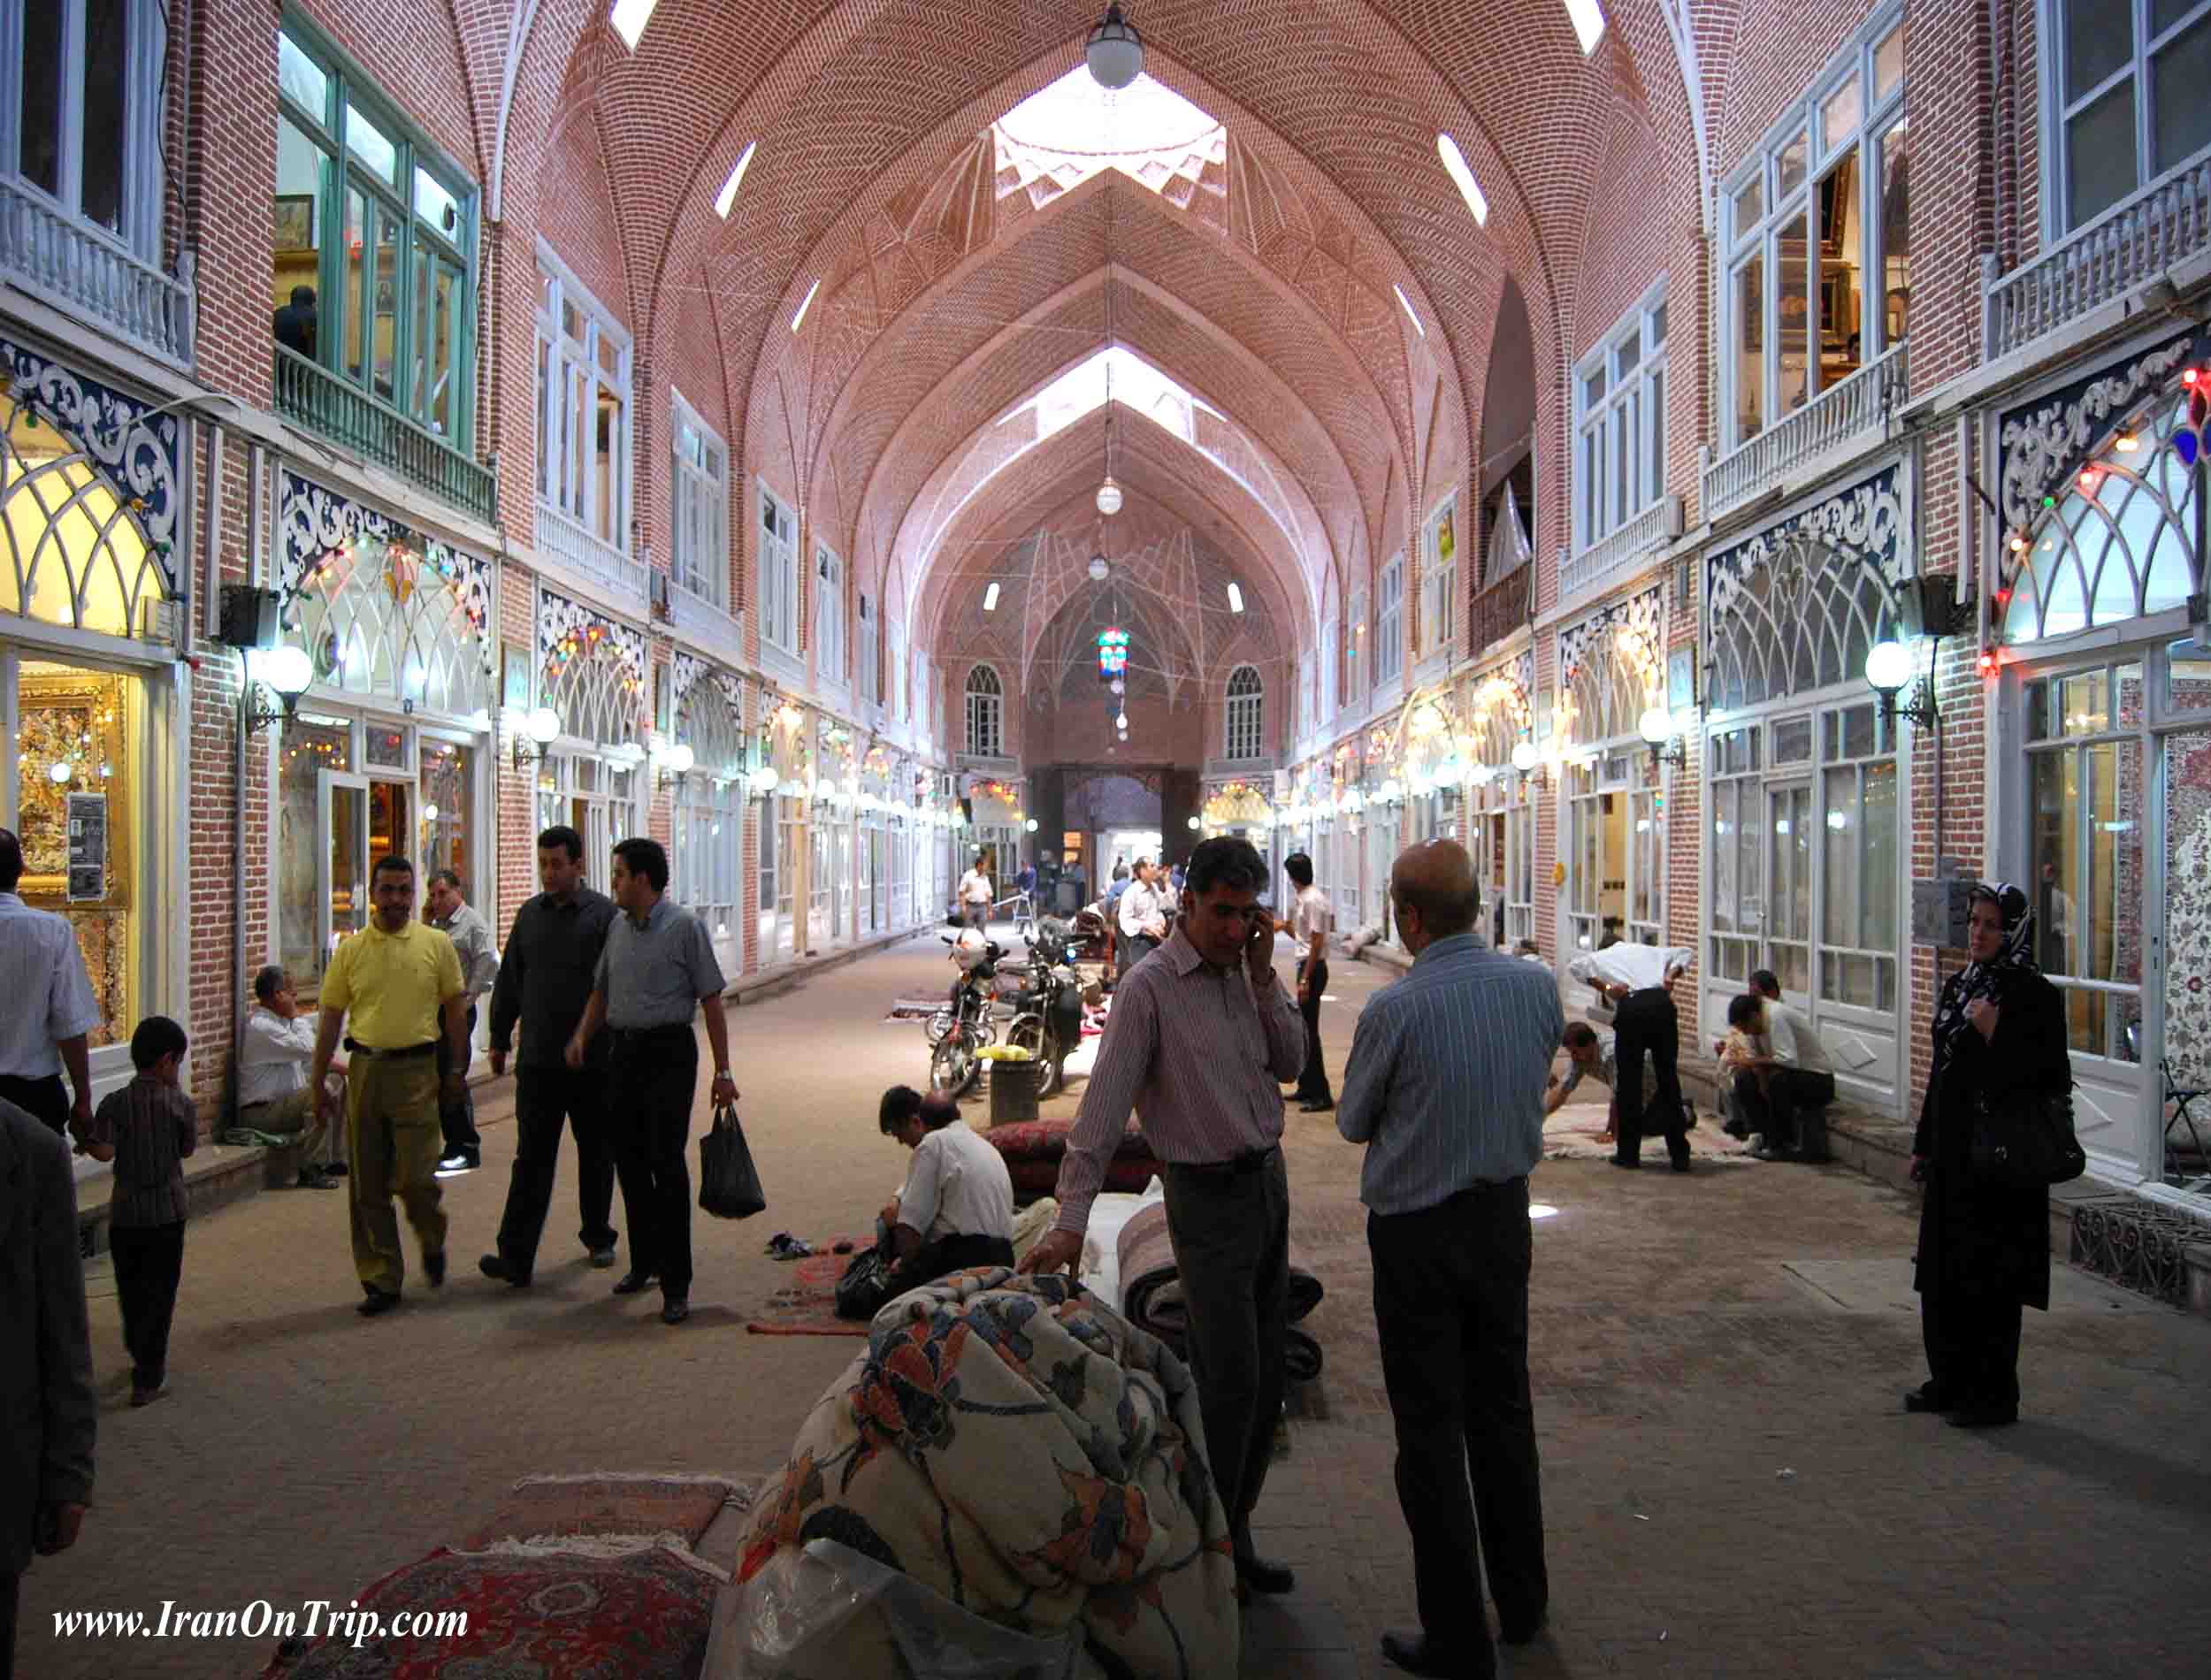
{"x": 1525, "y": 757}
{"x": 1193, "y": 822}
{"x": 1098, "y": 568}
{"x": 679, "y": 758}
{"x": 1888, "y": 666}
{"x": 1114, "y": 52}
{"x": 545, "y": 726}
{"x": 1109, "y": 498}
{"x": 286, "y": 670}
{"x": 1655, "y": 725}
{"x": 59, "y": 771}
{"x": 1030, "y": 825}
{"x": 764, "y": 779}
{"x": 1122, "y": 722}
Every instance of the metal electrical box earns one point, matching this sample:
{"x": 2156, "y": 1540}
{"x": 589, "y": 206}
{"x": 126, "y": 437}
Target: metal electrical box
{"x": 1941, "y": 908}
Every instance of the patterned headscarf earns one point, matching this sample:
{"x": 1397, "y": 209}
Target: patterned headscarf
{"x": 1986, "y": 979}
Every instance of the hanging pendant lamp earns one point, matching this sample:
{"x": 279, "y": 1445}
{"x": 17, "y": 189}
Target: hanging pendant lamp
{"x": 1114, "y": 51}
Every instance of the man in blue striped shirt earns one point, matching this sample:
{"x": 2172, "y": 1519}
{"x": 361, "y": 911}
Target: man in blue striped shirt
{"x": 1445, "y": 1087}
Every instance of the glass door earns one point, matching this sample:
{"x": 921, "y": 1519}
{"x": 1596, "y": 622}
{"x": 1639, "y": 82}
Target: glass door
{"x": 342, "y": 884}
{"x": 1789, "y": 879}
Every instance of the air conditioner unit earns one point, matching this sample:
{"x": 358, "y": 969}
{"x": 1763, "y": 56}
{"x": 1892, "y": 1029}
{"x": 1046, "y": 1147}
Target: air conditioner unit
{"x": 1673, "y": 517}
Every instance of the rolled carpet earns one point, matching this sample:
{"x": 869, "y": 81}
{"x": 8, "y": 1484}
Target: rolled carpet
{"x": 1034, "y": 1149}
{"x": 1151, "y": 1291}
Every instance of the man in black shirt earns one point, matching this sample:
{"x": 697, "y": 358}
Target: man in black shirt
{"x": 545, "y": 980}
{"x": 294, "y": 324}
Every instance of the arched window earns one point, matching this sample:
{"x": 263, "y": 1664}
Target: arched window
{"x": 378, "y": 618}
{"x": 1609, "y": 697}
{"x": 1803, "y": 620}
{"x": 75, "y": 555}
{"x": 1247, "y": 701}
{"x": 986, "y": 713}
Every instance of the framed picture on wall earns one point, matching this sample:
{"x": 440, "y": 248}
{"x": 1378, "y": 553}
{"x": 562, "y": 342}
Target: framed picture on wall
{"x": 1681, "y": 680}
{"x": 514, "y": 689}
{"x": 295, "y": 221}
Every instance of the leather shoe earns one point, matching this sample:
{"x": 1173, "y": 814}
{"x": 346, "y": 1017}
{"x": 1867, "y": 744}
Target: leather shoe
{"x": 1261, "y": 1575}
{"x": 1314, "y": 1108}
{"x": 433, "y": 1267}
{"x": 602, "y": 1259}
{"x": 631, "y": 1282}
{"x": 674, "y": 1312}
{"x": 1983, "y": 1417}
{"x": 491, "y": 1266}
{"x": 378, "y": 1300}
{"x": 1522, "y": 1630}
{"x": 1926, "y": 1398}
{"x": 1621, "y": 1161}
{"x": 1416, "y": 1653}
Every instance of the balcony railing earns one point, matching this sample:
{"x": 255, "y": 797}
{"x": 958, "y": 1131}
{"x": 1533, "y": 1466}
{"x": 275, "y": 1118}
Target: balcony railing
{"x": 317, "y": 399}
{"x": 1835, "y": 418}
{"x": 627, "y": 582}
{"x": 696, "y": 615}
{"x": 1500, "y": 610}
{"x": 1656, "y": 526}
{"x": 2130, "y": 245}
{"x": 1225, "y": 769}
{"x": 78, "y": 270}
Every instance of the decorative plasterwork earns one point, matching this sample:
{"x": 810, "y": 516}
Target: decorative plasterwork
{"x": 1637, "y": 621}
{"x": 1870, "y": 522}
{"x": 691, "y": 670}
{"x": 1508, "y": 693}
{"x": 138, "y": 450}
{"x": 314, "y": 524}
{"x": 568, "y": 631}
{"x": 2042, "y": 444}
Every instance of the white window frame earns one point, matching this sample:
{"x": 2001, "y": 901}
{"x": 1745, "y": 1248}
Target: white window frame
{"x": 868, "y": 649}
{"x": 144, "y": 102}
{"x": 1760, "y": 237}
{"x": 1620, "y": 430}
{"x": 829, "y": 617}
{"x": 1389, "y": 622}
{"x": 1328, "y": 668}
{"x": 1243, "y": 721}
{"x": 985, "y": 712}
{"x": 699, "y": 529}
{"x": 778, "y": 534}
{"x": 563, "y": 477}
{"x": 1306, "y": 698}
{"x": 897, "y": 701}
{"x": 1438, "y": 578}
{"x": 1355, "y": 687}
{"x": 2058, "y": 219}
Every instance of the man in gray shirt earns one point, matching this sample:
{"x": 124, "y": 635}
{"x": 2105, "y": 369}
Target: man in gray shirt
{"x": 1445, "y": 1087}
{"x": 450, "y": 915}
{"x": 657, "y": 969}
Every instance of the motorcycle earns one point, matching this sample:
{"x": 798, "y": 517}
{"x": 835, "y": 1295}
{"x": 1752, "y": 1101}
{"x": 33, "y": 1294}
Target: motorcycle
{"x": 959, "y": 1032}
{"x": 1048, "y": 1011}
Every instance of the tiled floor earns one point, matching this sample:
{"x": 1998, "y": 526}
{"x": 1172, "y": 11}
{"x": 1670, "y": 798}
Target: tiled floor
{"x": 1729, "y": 1485}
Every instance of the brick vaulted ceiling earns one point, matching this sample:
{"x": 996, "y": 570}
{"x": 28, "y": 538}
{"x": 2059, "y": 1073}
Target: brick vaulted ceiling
{"x": 1264, "y": 287}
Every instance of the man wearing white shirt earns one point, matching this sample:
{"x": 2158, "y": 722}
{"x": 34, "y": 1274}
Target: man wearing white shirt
{"x": 1802, "y": 1080}
{"x": 53, "y": 1013}
{"x": 272, "y": 1090}
{"x": 1142, "y": 918}
{"x": 975, "y": 897}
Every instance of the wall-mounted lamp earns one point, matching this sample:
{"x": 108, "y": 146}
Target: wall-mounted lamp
{"x": 1666, "y": 747}
{"x": 1888, "y": 669}
{"x": 1193, "y": 822}
{"x": 1526, "y": 759}
{"x": 540, "y": 730}
{"x": 275, "y": 679}
{"x": 674, "y": 762}
{"x": 764, "y": 779}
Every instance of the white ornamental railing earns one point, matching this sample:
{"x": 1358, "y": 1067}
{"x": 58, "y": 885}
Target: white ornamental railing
{"x": 562, "y": 539}
{"x": 2130, "y": 245}
{"x": 78, "y": 270}
{"x": 1656, "y": 524}
{"x": 1837, "y": 418}
{"x": 697, "y": 616}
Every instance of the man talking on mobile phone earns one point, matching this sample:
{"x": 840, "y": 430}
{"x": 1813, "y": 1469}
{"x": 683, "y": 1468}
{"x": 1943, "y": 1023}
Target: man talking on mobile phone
{"x": 1200, "y": 1042}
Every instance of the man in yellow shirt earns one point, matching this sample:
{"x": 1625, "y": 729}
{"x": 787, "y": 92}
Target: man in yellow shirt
{"x": 401, "y": 980}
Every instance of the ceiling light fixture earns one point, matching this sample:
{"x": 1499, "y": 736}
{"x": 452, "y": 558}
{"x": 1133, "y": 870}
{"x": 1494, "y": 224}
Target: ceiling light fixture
{"x": 1109, "y": 494}
{"x": 1114, "y": 51}
{"x": 1100, "y": 570}
{"x": 1236, "y": 599}
{"x": 1405, "y": 303}
{"x": 629, "y": 19}
{"x": 804, "y": 304}
{"x": 990, "y": 598}
{"x": 1463, "y": 178}
{"x": 727, "y": 197}
{"x": 1589, "y": 21}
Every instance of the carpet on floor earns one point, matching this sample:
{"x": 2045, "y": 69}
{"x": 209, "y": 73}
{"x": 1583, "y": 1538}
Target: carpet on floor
{"x": 1576, "y": 1132}
{"x": 806, "y": 1305}
{"x": 914, "y": 1009}
{"x": 639, "y": 1615}
{"x": 667, "y": 1505}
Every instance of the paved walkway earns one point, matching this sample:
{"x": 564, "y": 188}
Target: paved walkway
{"x": 1730, "y": 1487}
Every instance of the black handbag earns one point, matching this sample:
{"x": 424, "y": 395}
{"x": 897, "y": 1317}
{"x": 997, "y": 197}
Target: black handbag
{"x": 865, "y": 1286}
{"x": 2027, "y": 1147}
{"x": 728, "y": 1183}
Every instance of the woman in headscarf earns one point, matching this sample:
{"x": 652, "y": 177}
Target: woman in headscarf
{"x": 1983, "y": 1247}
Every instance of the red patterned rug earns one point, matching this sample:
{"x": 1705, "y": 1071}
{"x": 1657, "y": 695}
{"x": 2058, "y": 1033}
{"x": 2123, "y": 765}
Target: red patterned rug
{"x": 644, "y": 1617}
{"x": 807, "y": 1306}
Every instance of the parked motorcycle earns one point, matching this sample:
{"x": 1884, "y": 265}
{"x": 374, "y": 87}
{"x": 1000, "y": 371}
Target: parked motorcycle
{"x": 958, "y": 1033}
{"x": 1048, "y": 1011}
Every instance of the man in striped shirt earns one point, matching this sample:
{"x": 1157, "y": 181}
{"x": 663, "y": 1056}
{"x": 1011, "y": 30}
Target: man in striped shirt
{"x": 1200, "y": 1042}
{"x": 1445, "y": 1085}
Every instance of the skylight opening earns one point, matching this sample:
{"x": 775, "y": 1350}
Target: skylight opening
{"x": 1061, "y": 135}
{"x": 1236, "y": 599}
{"x": 629, "y": 19}
{"x": 1589, "y": 21}
{"x": 804, "y": 304}
{"x": 1405, "y": 303}
{"x": 990, "y": 598}
{"x": 1137, "y": 385}
{"x": 727, "y": 197}
{"x": 1463, "y": 178}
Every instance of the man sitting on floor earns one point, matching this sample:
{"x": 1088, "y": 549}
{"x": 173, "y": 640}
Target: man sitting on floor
{"x": 272, "y": 1092}
{"x": 956, "y": 1208}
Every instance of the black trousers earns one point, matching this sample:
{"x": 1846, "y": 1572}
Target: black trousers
{"x": 148, "y": 1262}
{"x": 1798, "y": 1100}
{"x": 1313, "y": 1083}
{"x": 1451, "y": 1305}
{"x": 46, "y": 1099}
{"x": 657, "y": 1072}
{"x": 953, "y": 1253}
{"x": 1229, "y": 1225}
{"x": 1647, "y": 1030}
{"x": 1753, "y": 1113}
{"x": 545, "y": 1098}
{"x": 1973, "y": 1346}
{"x": 11, "y": 1595}
{"x": 456, "y": 1115}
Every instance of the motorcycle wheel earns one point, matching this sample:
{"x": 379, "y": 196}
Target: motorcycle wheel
{"x": 954, "y": 1067}
{"x": 1027, "y": 1033}
{"x": 937, "y": 1027}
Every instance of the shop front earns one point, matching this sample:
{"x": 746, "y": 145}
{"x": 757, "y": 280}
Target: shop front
{"x": 90, "y": 689}
{"x": 2102, "y": 732}
{"x": 708, "y": 770}
{"x": 1805, "y": 778}
{"x": 830, "y": 882}
{"x": 785, "y": 766}
{"x": 594, "y": 674}
{"x": 996, "y": 819}
{"x": 1611, "y": 669}
{"x": 1500, "y": 808}
{"x": 388, "y": 753}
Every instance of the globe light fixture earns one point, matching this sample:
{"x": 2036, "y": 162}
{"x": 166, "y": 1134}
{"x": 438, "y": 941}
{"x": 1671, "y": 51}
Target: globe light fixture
{"x": 545, "y": 726}
{"x": 1098, "y": 568}
{"x": 1114, "y": 52}
{"x": 1030, "y": 825}
{"x": 1887, "y": 667}
{"x": 1193, "y": 822}
{"x": 1656, "y": 726}
{"x": 764, "y": 779}
{"x": 60, "y": 772}
{"x": 1525, "y": 757}
{"x": 285, "y": 671}
{"x": 1109, "y": 498}
{"x": 678, "y": 759}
